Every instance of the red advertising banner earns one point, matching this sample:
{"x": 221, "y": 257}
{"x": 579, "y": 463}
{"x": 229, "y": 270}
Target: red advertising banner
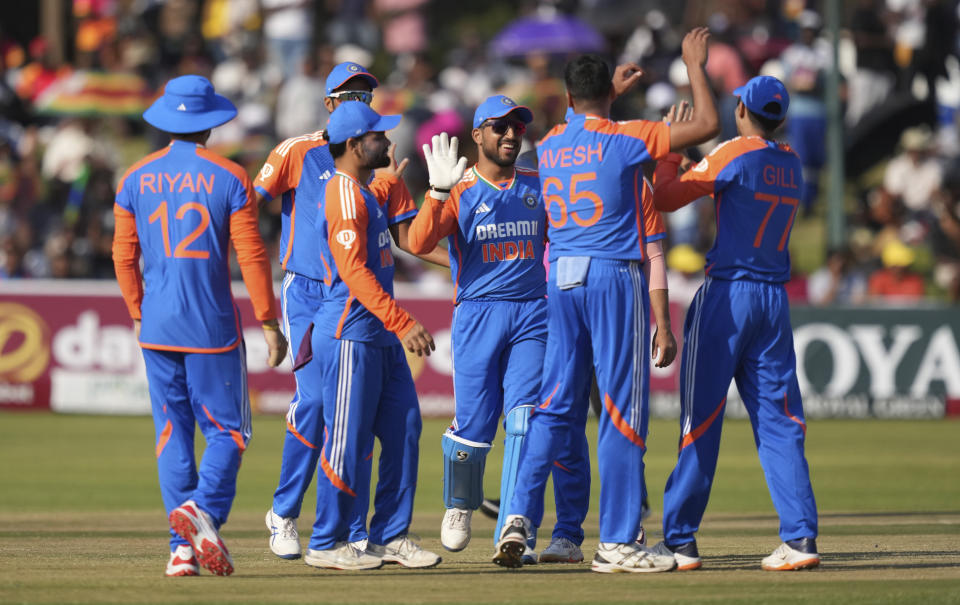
{"x": 69, "y": 346}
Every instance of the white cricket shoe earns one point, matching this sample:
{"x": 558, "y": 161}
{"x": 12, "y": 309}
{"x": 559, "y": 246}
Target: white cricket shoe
{"x": 284, "y": 539}
{"x": 561, "y": 550}
{"x": 455, "y": 529}
{"x": 795, "y": 554}
{"x": 406, "y": 552}
{"x": 686, "y": 555}
{"x": 342, "y": 556}
{"x": 616, "y": 558}
{"x": 182, "y": 562}
{"x": 196, "y": 527}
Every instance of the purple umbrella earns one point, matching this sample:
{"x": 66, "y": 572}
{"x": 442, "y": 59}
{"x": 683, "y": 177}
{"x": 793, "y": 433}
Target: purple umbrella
{"x": 558, "y": 34}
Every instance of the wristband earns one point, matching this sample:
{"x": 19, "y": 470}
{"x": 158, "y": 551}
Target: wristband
{"x": 270, "y": 327}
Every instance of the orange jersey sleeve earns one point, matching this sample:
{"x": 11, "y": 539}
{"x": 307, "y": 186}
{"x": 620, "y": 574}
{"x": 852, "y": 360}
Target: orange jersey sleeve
{"x": 671, "y": 193}
{"x": 126, "y": 259}
{"x": 345, "y": 215}
{"x": 654, "y": 227}
{"x": 390, "y": 190}
{"x": 281, "y": 172}
{"x": 435, "y": 221}
{"x": 252, "y": 257}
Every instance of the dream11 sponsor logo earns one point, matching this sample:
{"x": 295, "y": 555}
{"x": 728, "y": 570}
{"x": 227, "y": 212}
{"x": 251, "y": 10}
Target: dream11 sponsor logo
{"x": 24, "y": 352}
{"x": 881, "y": 350}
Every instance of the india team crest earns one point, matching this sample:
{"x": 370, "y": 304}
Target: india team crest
{"x": 507, "y": 101}
{"x": 530, "y": 201}
{"x": 353, "y": 67}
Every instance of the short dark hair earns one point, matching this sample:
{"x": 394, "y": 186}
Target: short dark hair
{"x": 188, "y": 135}
{"x": 766, "y": 124}
{"x": 587, "y": 78}
{"x": 336, "y": 149}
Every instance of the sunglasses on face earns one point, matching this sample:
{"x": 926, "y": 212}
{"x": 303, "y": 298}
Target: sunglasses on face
{"x": 352, "y": 95}
{"x": 500, "y": 127}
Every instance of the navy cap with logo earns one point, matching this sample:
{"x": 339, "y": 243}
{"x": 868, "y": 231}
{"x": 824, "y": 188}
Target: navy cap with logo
{"x": 760, "y": 92}
{"x": 354, "y": 119}
{"x": 189, "y": 104}
{"x": 498, "y": 106}
{"x": 344, "y": 71}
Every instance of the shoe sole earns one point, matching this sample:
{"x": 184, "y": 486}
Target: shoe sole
{"x": 455, "y": 549}
{"x": 689, "y": 566}
{"x": 613, "y": 568}
{"x": 390, "y": 559}
{"x": 183, "y": 573}
{"x": 510, "y": 555}
{"x": 325, "y": 565}
{"x": 211, "y": 556}
{"x": 805, "y": 564}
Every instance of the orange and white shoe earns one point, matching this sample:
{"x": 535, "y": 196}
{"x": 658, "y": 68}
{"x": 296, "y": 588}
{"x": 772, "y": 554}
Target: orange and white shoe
{"x": 792, "y": 555}
{"x": 182, "y": 562}
{"x": 196, "y": 527}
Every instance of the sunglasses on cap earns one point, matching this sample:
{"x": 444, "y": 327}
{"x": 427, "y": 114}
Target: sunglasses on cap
{"x": 352, "y": 95}
{"x": 500, "y": 127}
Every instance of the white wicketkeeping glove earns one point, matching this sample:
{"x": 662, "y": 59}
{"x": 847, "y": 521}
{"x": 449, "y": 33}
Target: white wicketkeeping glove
{"x": 443, "y": 166}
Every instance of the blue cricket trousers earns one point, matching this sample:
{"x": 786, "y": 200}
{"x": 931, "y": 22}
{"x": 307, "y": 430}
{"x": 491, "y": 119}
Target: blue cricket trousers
{"x": 366, "y": 390}
{"x": 740, "y": 330}
{"x": 209, "y": 389}
{"x": 604, "y": 322}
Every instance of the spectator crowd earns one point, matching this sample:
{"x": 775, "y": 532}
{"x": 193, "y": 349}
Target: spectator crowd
{"x": 70, "y": 112}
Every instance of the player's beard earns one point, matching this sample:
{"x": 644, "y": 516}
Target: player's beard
{"x": 376, "y": 155}
{"x": 498, "y": 156}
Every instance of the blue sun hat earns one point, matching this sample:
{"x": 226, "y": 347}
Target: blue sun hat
{"x": 189, "y": 104}
{"x": 498, "y": 106}
{"x": 353, "y": 119}
{"x": 762, "y": 90}
{"x": 344, "y": 71}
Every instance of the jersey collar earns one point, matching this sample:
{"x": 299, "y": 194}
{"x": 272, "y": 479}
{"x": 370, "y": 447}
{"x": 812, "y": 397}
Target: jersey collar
{"x": 493, "y": 185}
{"x": 348, "y": 177}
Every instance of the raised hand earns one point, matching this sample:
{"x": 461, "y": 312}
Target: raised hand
{"x": 443, "y": 165}
{"x": 625, "y": 77}
{"x": 694, "y": 47}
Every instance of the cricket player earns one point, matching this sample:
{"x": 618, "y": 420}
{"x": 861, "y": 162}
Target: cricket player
{"x": 181, "y": 207}
{"x": 295, "y": 170}
{"x": 495, "y": 223}
{"x": 597, "y": 298}
{"x": 738, "y": 327}
{"x": 357, "y": 367}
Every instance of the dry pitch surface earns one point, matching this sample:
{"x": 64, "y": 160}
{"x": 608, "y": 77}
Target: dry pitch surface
{"x": 80, "y": 522}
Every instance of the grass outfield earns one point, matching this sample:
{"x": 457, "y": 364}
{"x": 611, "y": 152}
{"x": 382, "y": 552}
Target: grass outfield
{"x": 81, "y": 522}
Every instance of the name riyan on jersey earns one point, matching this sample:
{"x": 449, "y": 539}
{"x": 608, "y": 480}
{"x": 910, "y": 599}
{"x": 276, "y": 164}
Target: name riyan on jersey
{"x": 509, "y": 250}
{"x": 164, "y": 182}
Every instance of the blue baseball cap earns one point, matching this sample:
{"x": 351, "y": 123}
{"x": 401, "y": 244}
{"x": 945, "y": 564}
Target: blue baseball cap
{"x": 762, "y": 90}
{"x": 344, "y": 71}
{"x": 189, "y": 104}
{"x": 354, "y": 119}
{"x": 498, "y": 106}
